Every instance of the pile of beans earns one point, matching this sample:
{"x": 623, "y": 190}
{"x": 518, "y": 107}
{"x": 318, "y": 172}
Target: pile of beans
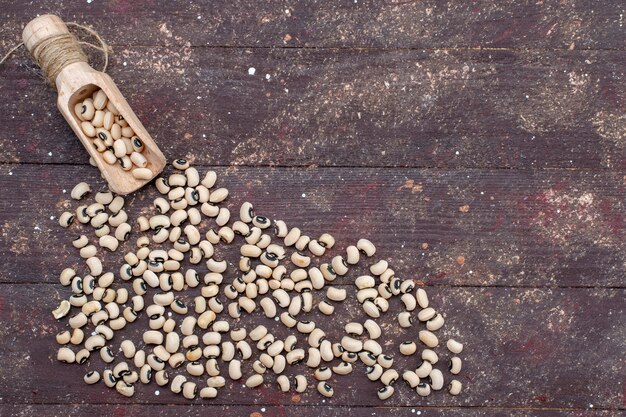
{"x": 186, "y": 343}
{"x": 111, "y": 135}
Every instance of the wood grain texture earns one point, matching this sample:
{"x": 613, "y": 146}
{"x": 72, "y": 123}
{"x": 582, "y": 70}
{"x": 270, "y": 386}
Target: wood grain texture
{"x": 521, "y": 228}
{"x": 505, "y": 109}
{"x": 344, "y": 23}
{"x": 175, "y": 410}
{"x": 552, "y": 348}
{"x": 481, "y": 145}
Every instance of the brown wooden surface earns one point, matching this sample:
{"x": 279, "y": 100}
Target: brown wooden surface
{"x": 379, "y": 119}
{"x": 408, "y": 108}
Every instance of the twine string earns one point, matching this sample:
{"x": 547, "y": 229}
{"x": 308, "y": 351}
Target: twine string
{"x": 54, "y": 53}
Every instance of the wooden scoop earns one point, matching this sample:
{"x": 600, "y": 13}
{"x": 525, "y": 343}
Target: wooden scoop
{"x": 77, "y": 81}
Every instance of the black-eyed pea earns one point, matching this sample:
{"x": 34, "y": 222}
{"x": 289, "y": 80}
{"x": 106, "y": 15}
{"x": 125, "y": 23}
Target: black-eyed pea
{"x": 374, "y": 372}
{"x": 80, "y": 190}
{"x": 323, "y": 374}
{"x": 234, "y": 310}
{"x": 100, "y": 99}
{"x": 385, "y": 392}
{"x": 136, "y": 143}
{"x": 428, "y": 338}
{"x": 421, "y": 297}
{"x": 411, "y": 378}
{"x": 354, "y": 329}
{"x": 336, "y": 294}
{"x": 426, "y": 314}
{"x": 259, "y": 367}
{"x": 145, "y": 374}
{"x": 337, "y": 350}
{"x": 118, "y": 323}
{"x": 385, "y": 361}
{"x": 409, "y": 302}
{"x": 305, "y": 326}
{"x": 294, "y": 357}
{"x": 424, "y": 369}
{"x": 176, "y": 360}
{"x": 108, "y": 378}
{"x": 455, "y": 365}
{"x": 254, "y": 381}
{"x": 214, "y": 265}
{"x": 454, "y": 346}
{"x": 316, "y": 248}
{"x": 234, "y": 369}
{"x": 373, "y": 347}
{"x": 455, "y": 387}
{"x": 366, "y": 294}
{"x": 300, "y": 260}
{"x": 91, "y": 377}
{"x": 387, "y": 276}
{"x": 351, "y": 344}
{"x": 389, "y": 377}
{"x": 177, "y": 384}
{"x": 326, "y": 308}
{"x": 208, "y": 392}
{"x": 435, "y": 323}
{"x": 66, "y": 276}
{"x": 408, "y": 348}
{"x": 407, "y": 286}
{"x": 405, "y": 320}
{"x": 218, "y": 195}
{"x": 436, "y": 379}
{"x": 77, "y": 337}
{"x": 368, "y": 358}
{"x": 88, "y": 129}
{"x": 379, "y": 267}
{"x": 66, "y": 355}
{"x": 161, "y": 377}
{"x": 326, "y": 350}
{"x": 63, "y": 337}
{"x": 209, "y": 179}
{"x": 302, "y": 243}
{"x": 142, "y": 173}
{"x": 423, "y": 389}
{"x": 106, "y": 354}
{"x": 280, "y": 363}
{"x": 109, "y": 157}
{"x": 339, "y": 265}
{"x": 82, "y": 356}
{"x": 223, "y": 216}
{"x": 139, "y": 359}
{"x": 244, "y": 349}
{"x": 373, "y": 329}
{"x": 352, "y": 255}
{"x": 80, "y": 299}
{"x": 194, "y": 216}
{"x": 371, "y": 309}
{"x": 78, "y": 320}
{"x": 268, "y": 306}
{"x": 430, "y": 356}
{"x": 280, "y": 228}
{"x": 66, "y": 219}
{"x": 95, "y": 266}
{"x": 153, "y": 337}
{"x": 292, "y": 237}
{"x": 195, "y": 368}
{"x": 343, "y": 368}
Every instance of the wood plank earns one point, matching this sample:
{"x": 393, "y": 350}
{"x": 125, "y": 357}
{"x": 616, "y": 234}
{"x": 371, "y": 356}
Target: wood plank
{"x": 528, "y": 348}
{"x": 347, "y": 108}
{"x": 521, "y": 228}
{"x": 171, "y": 410}
{"x": 389, "y": 24}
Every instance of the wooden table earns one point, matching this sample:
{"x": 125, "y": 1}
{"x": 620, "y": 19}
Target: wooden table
{"x": 481, "y": 145}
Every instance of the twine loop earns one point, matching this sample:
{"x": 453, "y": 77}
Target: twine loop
{"x": 56, "y": 52}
